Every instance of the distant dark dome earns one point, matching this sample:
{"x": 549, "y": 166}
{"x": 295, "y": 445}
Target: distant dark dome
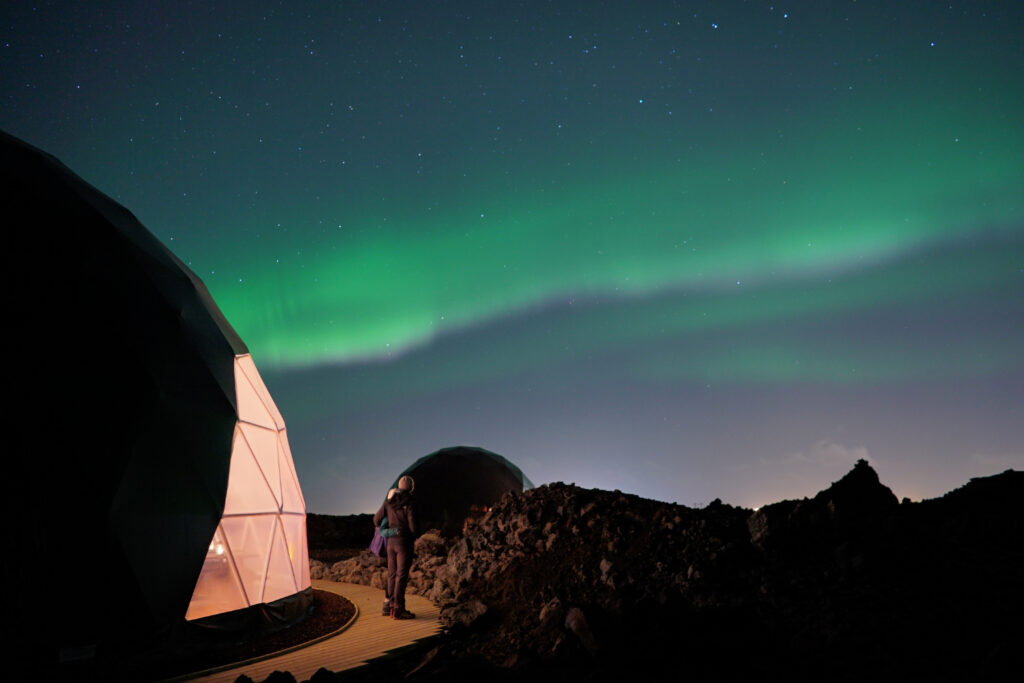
{"x": 455, "y": 482}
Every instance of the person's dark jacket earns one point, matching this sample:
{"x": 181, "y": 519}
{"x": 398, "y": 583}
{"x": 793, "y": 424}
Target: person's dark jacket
{"x": 401, "y": 514}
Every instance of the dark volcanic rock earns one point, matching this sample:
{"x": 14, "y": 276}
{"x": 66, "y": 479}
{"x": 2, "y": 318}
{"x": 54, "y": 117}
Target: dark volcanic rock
{"x": 561, "y": 581}
{"x": 571, "y": 572}
{"x": 851, "y": 507}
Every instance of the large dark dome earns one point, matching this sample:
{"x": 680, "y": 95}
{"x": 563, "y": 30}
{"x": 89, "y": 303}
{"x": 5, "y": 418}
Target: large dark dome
{"x": 126, "y": 411}
{"x": 452, "y": 481}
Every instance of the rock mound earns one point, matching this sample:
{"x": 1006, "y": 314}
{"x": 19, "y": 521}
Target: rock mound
{"x": 563, "y": 581}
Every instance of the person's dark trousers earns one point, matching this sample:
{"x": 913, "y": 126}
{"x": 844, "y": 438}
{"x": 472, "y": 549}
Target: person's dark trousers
{"x": 399, "y": 561}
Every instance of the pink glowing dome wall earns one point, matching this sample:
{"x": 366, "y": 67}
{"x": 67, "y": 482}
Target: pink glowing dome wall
{"x": 258, "y": 553}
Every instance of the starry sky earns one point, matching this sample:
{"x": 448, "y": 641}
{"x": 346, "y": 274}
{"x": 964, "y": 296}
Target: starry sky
{"x": 688, "y": 250}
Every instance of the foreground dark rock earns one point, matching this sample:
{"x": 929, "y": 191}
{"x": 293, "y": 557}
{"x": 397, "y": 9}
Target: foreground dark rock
{"x": 561, "y": 581}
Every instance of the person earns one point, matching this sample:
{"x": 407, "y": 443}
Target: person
{"x": 385, "y": 531}
{"x": 400, "y": 510}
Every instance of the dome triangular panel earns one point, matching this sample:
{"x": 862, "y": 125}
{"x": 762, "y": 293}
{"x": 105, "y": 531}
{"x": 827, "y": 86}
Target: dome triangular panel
{"x": 290, "y": 492}
{"x": 295, "y": 538}
{"x": 245, "y": 363}
{"x": 251, "y": 407}
{"x": 248, "y": 489}
{"x": 263, "y": 444}
{"x": 249, "y": 539}
{"x": 218, "y": 588}
{"x": 280, "y": 579}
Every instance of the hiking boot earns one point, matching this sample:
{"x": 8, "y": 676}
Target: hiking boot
{"x": 386, "y": 609}
{"x": 400, "y": 613}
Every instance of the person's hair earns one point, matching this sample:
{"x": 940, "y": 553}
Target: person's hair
{"x": 406, "y": 483}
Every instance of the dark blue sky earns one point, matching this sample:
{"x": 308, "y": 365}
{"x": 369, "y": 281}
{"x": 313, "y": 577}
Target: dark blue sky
{"x": 687, "y": 250}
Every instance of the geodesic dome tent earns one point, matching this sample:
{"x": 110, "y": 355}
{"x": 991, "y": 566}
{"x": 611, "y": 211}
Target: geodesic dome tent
{"x": 453, "y": 482}
{"x": 148, "y": 467}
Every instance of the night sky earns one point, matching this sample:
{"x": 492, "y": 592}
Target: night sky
{"x": 687, "y": 250}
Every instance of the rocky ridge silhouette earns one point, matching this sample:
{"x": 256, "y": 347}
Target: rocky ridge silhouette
{"x": 561, "y": 580}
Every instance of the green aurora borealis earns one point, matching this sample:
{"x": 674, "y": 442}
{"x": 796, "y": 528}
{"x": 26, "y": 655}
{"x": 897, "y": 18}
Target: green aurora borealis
{"x": 668, "y": 247}
{"x": 769, "y": 221}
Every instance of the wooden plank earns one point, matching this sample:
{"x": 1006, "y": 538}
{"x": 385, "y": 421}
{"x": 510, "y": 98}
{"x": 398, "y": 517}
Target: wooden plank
{"x": 370, "y": 636}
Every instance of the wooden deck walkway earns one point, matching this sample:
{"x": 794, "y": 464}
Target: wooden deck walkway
{"x": 369, "y": 636}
